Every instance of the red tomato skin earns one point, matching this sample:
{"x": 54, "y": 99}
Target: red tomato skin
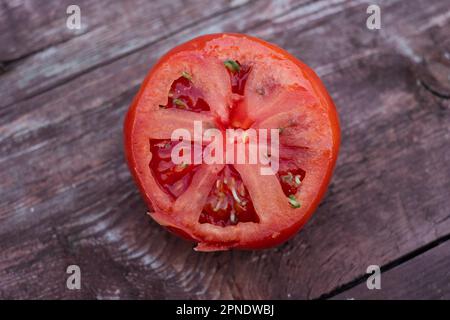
{"x": 321, "y": 93}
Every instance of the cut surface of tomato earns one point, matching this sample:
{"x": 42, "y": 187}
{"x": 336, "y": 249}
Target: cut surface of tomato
{"x": 231, "y": 81}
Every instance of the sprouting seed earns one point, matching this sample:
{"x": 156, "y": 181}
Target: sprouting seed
{"x": 297, "y": 180}
{"x": 232, "y": 187}
{"x": 232, "y": 65}
{"x": 233, "y": 217}
{"x": 235, "y": 195}
{"x": 218, "y": 205}
{"x": 220, "y": 202}
{"x": 180, "y": 103}
{"x": 293, "y": 201}
{"x": 287, "y": 178}
{"x": 224, "y": 204}
{"x": 241, "y": 189}
{"x": 186, "y": 75}
{"x": 181, "y": 167}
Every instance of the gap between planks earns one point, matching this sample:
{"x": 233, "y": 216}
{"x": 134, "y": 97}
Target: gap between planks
{"x": 388, "y": 266}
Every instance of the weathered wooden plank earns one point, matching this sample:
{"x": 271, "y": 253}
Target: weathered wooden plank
{"x": 30, "y": 26}
{"x": 66, "y": 117}
{"x": 121, "y": 29}
{"x": 427, "y": 276}
{"x": 27, "y": 26}
{"x": 109, "y": 29}
{"x": 67, "y": 196}
{"x": 231, "y": 21}
{"x": 387, "y": 125}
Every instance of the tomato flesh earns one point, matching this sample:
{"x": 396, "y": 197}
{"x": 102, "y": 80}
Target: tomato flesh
{"x": 229, "y": 201}
{"x": 238, "y": 114}
{"x": 175, "y": 179}
{"x": 227, "y": 206}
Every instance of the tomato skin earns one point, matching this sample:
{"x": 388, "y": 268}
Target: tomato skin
{"x": 255, "y": 241}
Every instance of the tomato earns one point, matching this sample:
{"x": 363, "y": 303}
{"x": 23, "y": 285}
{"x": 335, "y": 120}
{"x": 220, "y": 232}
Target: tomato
{"x": 232, "y": 81}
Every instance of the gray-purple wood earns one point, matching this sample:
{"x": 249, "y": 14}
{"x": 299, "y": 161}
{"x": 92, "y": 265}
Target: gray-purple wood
{"x": 66, "y": 196}
{"x": 426, "y": 276}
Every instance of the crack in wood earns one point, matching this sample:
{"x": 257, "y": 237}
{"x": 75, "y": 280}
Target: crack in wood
{"x": 434, "y": 92}
{"x": 389, "y": 266}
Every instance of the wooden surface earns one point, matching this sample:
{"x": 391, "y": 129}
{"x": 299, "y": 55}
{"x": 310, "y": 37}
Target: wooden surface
{"x": 66, "y": 196}
{"x": 423, "y": 277}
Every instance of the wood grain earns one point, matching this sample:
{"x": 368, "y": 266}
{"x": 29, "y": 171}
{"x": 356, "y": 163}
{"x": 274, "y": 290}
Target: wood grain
{"x": 426, "y": 276}
{"x": 67, "y": 196}
{"x": 109, "y": 34}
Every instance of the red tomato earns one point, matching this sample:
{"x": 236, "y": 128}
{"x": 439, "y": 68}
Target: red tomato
{"x": 232, "y": 81}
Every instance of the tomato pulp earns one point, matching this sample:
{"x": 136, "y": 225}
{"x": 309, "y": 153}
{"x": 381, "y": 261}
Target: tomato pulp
{"x": 232, "y": 81}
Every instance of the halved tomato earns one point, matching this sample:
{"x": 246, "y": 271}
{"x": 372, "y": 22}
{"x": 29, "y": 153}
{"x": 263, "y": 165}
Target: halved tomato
{"x": 232, "y": 81}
